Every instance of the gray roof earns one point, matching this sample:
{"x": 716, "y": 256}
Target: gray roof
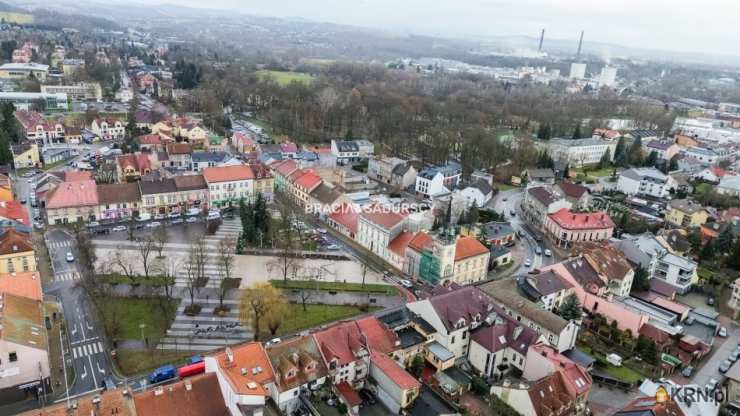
{"x": 730, "y": 182}
{"x": 215, "y": 157}
{"x": 440, "y": 351}
{"x": 347, "y": 146}
{"x": 482, "y": 186}
{"x": 540, "y": 173}
{"x": 639, "y": 174}
{"x": 496, "y": 229}
{"x": 505, "y": 291}
{"x": 161, "y": 186}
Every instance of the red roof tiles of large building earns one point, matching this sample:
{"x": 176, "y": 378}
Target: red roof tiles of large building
{"x": 386, "y": 220}
{"x": 195, "y": 396}
{"x": 150, "y": 139}
{"x": 506, "y": 334}
{"x": 379, "y": 337}
{"x": 469, "y": 247}
{"x": 73, "y": 194}
{"x": 296, "y": 361}
{"x": 550, "y": 397}
{"x": 14, "y": 211}
{"x": 349, "y": 394}
{"x": 347, "y": 217}
{"x": 228, "y": 174}
{"x": 23, "y": 284}
{"x": 260, "y": 170}
{"x": 77, "y": 175}
{"x": 288, "y": 147}
{"x": 250, "y": 356}
{"x": 13, "y": 242}
{"x": 393, "y": 371}
{"x": 572, "y": 190}
{"x": 399, "y": 244}
{"x": 285, "y": 168}
{"x": 462, "y": 304}
{"x": 137, "y": 161}
{"x": 582, "y": 220}
{"x": 421, "y": 241}
{"x": 342, "y": 342}
{"x": 576, "y": 378}
{"x": 308, "y": 180}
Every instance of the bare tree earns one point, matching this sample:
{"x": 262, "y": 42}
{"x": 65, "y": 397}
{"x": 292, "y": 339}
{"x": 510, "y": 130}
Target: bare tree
{"x": 145, "y": 248}
{"x": 191, "y": 273}
{"x": 259, "y": 301}
{"x": 160, "y": 239}
{"x": 286, "y": 258}
{"x": 200, "y": 257}
{"x": 168, "y": 270}
{"x": 124, "y": 266}
{"x": 226, "y": 252}
{"x": 364, "y": 273}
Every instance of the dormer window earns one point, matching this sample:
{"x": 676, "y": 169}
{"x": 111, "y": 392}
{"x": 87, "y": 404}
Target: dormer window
{"x": 291, "y": 373}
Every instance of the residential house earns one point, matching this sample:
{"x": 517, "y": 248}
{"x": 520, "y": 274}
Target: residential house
{"x": 702, "y": 154}
{"x": 345, "y": 220}
{"x": 243, "y": 143}
{"x": 566, "y": 227}
{"x": 197, "y": 395}
{"x": 55, "y": 156}
{"x": 301, "y": 184}
{"x": 540, "y": 176}
{"x": 665, "y": 150}
{"x": 711, "y": 174}
{"x": 297, "y": 364}
{"x": 159, "y": 196}
{"x": 103, "y": 402}
{"x": 645, "y": 182}
{"x": 729, "y": 185}
{"x": 118, "y": 201}
{"x": 734, "y": 301}
{"x": 24, "y": 355}
{"x": 108, "y": 128}
{"x": 75, "y": 201}
{"x": 500, "y": 256}
{"x": 133, "y": 166}
{"x": 345, "y": 352}
{"x": 608, "y": 262}
{"x": 25, "y": 155}
{"x": 403, "y": 176}
{"x": 471, "y": 261}
{"x": 227, "y": 185}
{"x": 323, "y": 199}
{"x": 381, "y": 168}
{"x": 179, "y": 155}
{"x": 192, "y": 192}
{"x": 733, "y": 387}
{"x": 345, "y": 151}
{"x": 497, "y": 233}
{"x": 150, "y": 142}
{"x": 200, "y": 160}
{"x": 558, "y": 332}
{"x": 397, "y": 389}
{"x": 39, "y": 129}
{"x": 477, "y": 194}
{"x": 543, "y": 361}
{"x": 13, "y": 213}
{"x": 433, "y": 181}
{"x": 660, "y": 262}
{"x": 539, "y": 202}
{"x": 282, "y": 171}
{"x": 264, "y": 181}
{"x": 686, "y": 213}
{"x": 245, "y": 376}
{"x": 288, "y": 150}
{"x": 578, "y": 196}
{"x": 548, "y": 289}
{"x": 547, "y": 396}
{"x": 16, "y": 252}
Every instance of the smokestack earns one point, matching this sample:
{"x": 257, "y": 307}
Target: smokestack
{"x": 542, "y": 39}
{"x": 580, "y": 46}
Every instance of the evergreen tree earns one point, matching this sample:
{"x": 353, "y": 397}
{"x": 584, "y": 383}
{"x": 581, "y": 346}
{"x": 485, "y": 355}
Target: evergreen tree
{"x": 577, "y": 132}
{"x": 621, "y": 147}
{"x": 652, "y": 159}
{"x": 6, "y": 156}
{"x": 641, "y": 281}
{"x": 473, "y": 213}
{"x": 724, "y": 240}
{"x": 673, "y": 164}
{"x": 707, "y": 252}
{"x": 634, "y": 155}
{"x": 651, "y": 353}
{"x": 570, "y": 308}
{"x": 606, "y": 159}
{"x": 734, "y": 260}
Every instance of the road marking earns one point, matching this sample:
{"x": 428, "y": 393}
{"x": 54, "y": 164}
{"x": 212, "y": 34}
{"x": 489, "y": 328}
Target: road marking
{"x": 84, "y": 372}
{"x": 100, "y": 346}
{"x": 74, "y": 353}
{"x": 99, "y": 368}
{"x": 95, "y": 380}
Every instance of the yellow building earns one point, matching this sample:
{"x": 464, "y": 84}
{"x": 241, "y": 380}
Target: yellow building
{"x": 686, "y": 213}
{"x": 25, "y": 155}
{"x": 16, "y": 252}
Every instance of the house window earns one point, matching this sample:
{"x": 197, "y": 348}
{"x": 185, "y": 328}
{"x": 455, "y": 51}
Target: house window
{"x": 452, "y": 340}
{"x": 13, "y": 357}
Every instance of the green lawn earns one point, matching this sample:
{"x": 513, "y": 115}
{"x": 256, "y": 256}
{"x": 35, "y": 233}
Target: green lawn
{"x": 624, "y": 373}
{"x": 132, "y": 362}
{"x": 504, "y": 186}
{"x": 122, "y": 317}
{"x": 285, "y": 77}
{"x": 702, "y": 189}
{"x": 297, "y": 319}
{"x": 337, "y": 286}
{"x": 597, "y": 173}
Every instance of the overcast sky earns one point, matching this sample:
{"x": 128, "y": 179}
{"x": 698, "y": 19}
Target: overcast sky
{"x": 678, "y": 25}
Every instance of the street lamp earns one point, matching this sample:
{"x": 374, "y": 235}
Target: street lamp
{"x": 142, "y": 326}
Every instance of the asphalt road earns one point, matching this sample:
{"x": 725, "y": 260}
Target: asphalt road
{"x": 508, "y": 202}
{"x": 87, "y": 350}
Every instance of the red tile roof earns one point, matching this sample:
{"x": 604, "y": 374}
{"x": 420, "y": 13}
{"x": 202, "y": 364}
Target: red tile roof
{"x": 469, "y": 247}
{"x": 308, "y": 180}
{"x": 582, "y": 220}
{"x": 228, "y": 173}
{"x": 152, "y": 139}
{"x": 379, "y": 337}
{"x": 658, "y": 336}
{"x": 77, "y": 175}
{"x": 138, "y": 161}
{"x": 14, "y": 211}
{"x": 346, "y": 216}
{"x": 393, "y": 371}
{"x": 386, "y": 220}
{"x": 73, "y": 194}
{"x": 421, "y": 241}
{"x": 246, "y": 356}
{"x": 288, "y": 147}
{"x": 349, "y": 394}
{"x": 399, "y": 244}
{"x": 341, "y": 341}
{"x": 285, "y": 167}
{"x": 195, "y": 396}
{"x": 12, "y": 242}
{"x": 576, "y": 378}
{"x": 550, "y": 397}
{"x": 23, "y": 284}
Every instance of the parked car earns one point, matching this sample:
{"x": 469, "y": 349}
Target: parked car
{"x": 213, "y": 215}
{"x": 70, "y": 257}
{"x": 726, "y": 364}
{"x": 38, "y": 225}
{"x": 723, "y": 332}
{"x": 176, "y": 221}
{"x": 527, "y": 263}
{"x": 548, "y": 253}
{"x": 734, "y": 356}
{"x": 407, "y": 284}
{"x": 159, "y": 217}
{"x": 686, "y": 372}
{"x": 332, "y": 247}
{"x": 23, "y": 200}
{"x": 119, "y": 228}
{"x": 174, "y": 215}
{"x": 367, "y": 396}
{"x": 538, "y": 250}
{"x": 712, "y": 384}
{"x": 162, "y": 373}
{"x": 154, "y": 224}
{"x": 192, "y": 219}
{"x": 93, "y": 224}
{"x": 710, "y": 301}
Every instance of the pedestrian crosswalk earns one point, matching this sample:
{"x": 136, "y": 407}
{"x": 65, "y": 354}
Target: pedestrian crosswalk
{"x": 66, "y": 276}
{"x": 59, "y": 244}
{"x": 87, "y": 349}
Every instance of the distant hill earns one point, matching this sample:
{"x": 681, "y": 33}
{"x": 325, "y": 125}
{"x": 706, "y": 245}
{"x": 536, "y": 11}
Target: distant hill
{"x": 13, "y": 14}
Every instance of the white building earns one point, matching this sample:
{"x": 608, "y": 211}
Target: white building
{"x": 578, "y": 153}
{"x": 577, "y": 70}
{"x": 32, "y": 100}
{"x": 437, "y": 180}
{"x": 83, "y": 91}
{"x": 645, "y": 181}
{"x": 108, "y": 128}
{"x": 24, "y": 359}
{"x": 244, "y": 375}
{"x": 376, "y": 230}
{"x": 608, "y": 76}
{"x": 227, "y": 185}
{"x": 659, "y": 261}
{"x": 702, "y": 154}
{"x": 729, "y": 185}
{"x": 478, "y": 193}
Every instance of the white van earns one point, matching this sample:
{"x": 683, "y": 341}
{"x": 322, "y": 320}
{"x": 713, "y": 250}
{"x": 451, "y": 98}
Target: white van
{"x": 143, "y": 217}
{"x": 213, "y": 215}
{"x": 193, "y": 212}
{"x": 614, "y": 359}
